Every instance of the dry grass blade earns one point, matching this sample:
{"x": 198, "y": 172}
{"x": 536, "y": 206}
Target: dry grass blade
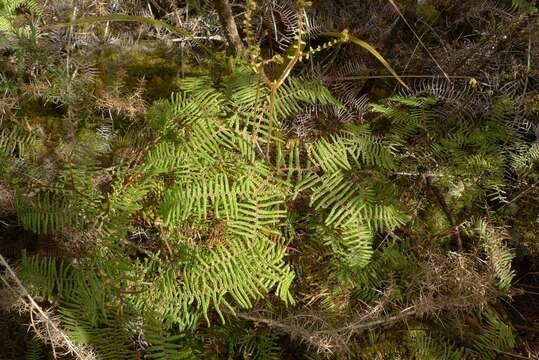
{"x": 346, "y": 37}
{"x": 418, "y": 38}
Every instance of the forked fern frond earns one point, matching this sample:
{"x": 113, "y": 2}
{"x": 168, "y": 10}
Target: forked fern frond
{"x": 233, "y": 274}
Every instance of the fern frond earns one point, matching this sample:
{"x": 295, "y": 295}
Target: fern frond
{"x": 45, "y": 325}
{"x": 355, "y": 144}
{"x": 34, "y": 350}
{"x": 525, "y": 157}
{"x": 46, "y": 276}
{"x": 259, "y": 215}
{"x": 11, "y": 5}
{"x": 353, "y": 244}
{"x": 341, "y": 197}
{"x": 499, "y": 255}
{"x": 330, "y": 156}
{"x": 370, "y": 279}
{"x": 244, "y": 90}
{"x": 162, "y": 345}
{"x": 497, "y": 336}
{"x": 295, "y": 93}
{"x": 129, "y": 191}
{"x": 16, "y": 142}
{"x": 261, "y": 347}
{"x": 370, "y": 149}
{"x": 217, "y": 194}
{"x": 8, "y": 11}
{"x": 427, "y": 347}
{"x": 233, "y": 274}
{"x": 45, "y": 214}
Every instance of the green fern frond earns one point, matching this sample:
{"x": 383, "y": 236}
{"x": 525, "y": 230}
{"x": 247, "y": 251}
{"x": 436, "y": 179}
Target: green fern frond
{"x": 217, "y": 194}
{"x": 352, "y": 243}
{"x": 500, "y": 256}
{"x": 525, "y": 157}
{"x": 44, "y": 214}
{"x": 296, "y": 93}
{"x": 16, "y": 142}
{"x": 83, "y": 306}
{"x": 208, "y": 138}
{"x": 162, "y": 345}
{"x": 354, "y": 144}
{"x": 259, "y": 215}
{"x": 380, "y": 217}
{"x": 10, "y": 6}
{"x": 34, "y": 350}
{"x": 244, "y": 89}
{"x": 46, "y": 276}
{"x": 341, "y": 197}
{"x": 111, "y": 339}
{"x": 242, "y": 342}
{"x": 129, "y": 191}
{"x": 497, "y": 336}
{"x": 5, "y": 24}
{"x": 8, "y": 11}
{"x": 427, "y": 347}
{"x": 371, "y": 278}
{"x": 407, "y": 114}
{"x": 166, "y": 157}
{"x": 291, "y": 160}
{"x": 243, "y": 271}
{"x": 233, "y": 274}
{"x": 190, "y": 107}
{"x": 260, "y": 347}
{"x": 330, "y": 156}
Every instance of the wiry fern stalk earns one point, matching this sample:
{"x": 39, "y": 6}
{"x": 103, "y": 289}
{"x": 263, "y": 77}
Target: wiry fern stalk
{"x": 45, "y": 326}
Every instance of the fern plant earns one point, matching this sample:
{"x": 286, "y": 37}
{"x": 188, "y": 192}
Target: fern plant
{"x": 207, "y": 207}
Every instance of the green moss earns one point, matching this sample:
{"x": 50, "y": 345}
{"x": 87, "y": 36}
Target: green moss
{"x": 531, "y": 104}
{"x": 152, "y": 63}
{"x": 428, "y": 11}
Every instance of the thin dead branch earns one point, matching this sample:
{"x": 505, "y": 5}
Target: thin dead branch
{"x": 44, "y": 325}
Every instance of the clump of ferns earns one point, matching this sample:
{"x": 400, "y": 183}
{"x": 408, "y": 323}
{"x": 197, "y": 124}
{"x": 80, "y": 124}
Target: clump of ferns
{"x": 466, "y": 99}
